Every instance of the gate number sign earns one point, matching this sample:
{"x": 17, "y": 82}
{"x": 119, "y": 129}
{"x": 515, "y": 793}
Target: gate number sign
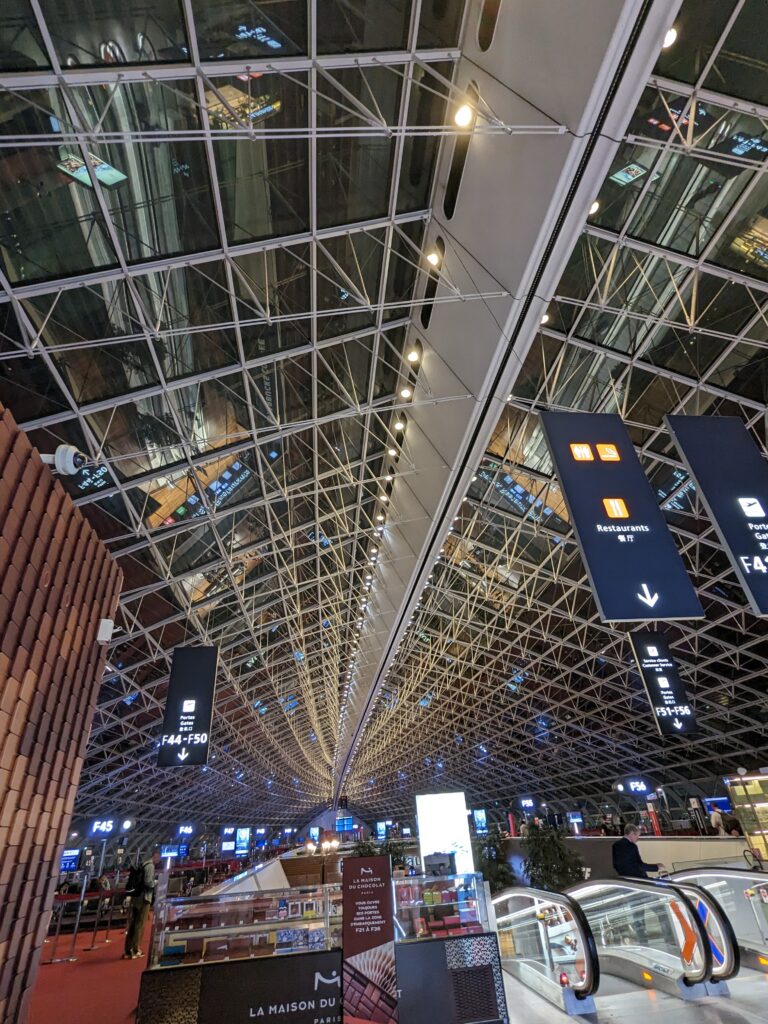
{"x": 185, "y": 738}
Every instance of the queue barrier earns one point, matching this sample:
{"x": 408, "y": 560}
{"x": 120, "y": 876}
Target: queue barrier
{"x": 105, "y": 900}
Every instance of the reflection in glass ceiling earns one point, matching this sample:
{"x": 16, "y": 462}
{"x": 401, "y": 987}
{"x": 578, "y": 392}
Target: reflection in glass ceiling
{"x": 211, "y": 238}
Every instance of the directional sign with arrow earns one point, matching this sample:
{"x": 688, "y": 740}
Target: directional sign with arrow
{"x": 646, "y": 596}
{"x": 633, "y": 565}
{"x": 669, "y": 702}
{"x": 185, "y": 738}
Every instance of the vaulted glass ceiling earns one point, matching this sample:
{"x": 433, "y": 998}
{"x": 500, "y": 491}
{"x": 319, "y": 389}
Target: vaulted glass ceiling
{"x": 210, "y": 237}
{"x": 211, "y": 243}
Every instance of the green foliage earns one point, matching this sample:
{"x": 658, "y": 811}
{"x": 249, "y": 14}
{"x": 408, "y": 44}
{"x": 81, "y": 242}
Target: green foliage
{"x": 491, "y": 860}
{"x": 365, "y": 848}
{"x": 549, "y": 863}
{"x": 396, "y": 850}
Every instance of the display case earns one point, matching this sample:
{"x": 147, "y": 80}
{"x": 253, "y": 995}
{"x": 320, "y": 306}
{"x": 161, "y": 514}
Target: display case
{"x": 749, "y": 799}
{"x": 207, "y": 929}
{"x": 436, "y": 908}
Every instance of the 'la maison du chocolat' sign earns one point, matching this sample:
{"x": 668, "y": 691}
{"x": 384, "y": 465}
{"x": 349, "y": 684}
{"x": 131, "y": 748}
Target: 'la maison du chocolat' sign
{"x": 304, "y": 988}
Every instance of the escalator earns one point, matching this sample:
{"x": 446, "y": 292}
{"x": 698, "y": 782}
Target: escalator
{"x": 661, "y": 935}
{"x": 743, "y": 895}
{"x": 545, "y": 941}
{"x": 667, "y": 936}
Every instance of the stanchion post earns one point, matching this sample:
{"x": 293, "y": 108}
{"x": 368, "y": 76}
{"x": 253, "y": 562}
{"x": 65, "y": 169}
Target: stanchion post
{"x": 76, "y": 929}
{"x": 56, "y": 933}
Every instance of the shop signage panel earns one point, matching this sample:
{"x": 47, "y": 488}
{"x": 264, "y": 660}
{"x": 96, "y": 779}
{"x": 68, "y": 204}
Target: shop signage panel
{"x": 369, "y": 988}
{"x": 672, "y": 711}
{"x": 732, "y": 480}
{"x": 186, "y": 735}
{"x": 304, "y": 988}
{"x": 633, "y": 565}
{"x": 451, "y": 980}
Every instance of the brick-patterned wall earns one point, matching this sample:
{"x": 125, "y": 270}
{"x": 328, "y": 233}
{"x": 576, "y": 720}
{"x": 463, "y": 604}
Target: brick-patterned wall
{"x": 57, "y": 581}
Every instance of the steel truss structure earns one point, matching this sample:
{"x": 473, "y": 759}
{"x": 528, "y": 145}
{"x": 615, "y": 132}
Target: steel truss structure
{"x": 220, "y": 313}
{"x": 507, "y": 684}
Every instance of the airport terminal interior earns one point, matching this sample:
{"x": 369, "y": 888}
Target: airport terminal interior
{"x": 383, "y": 511}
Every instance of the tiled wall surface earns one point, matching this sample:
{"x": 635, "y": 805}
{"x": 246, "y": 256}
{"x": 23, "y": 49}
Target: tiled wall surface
{"x": 57, "y": 581}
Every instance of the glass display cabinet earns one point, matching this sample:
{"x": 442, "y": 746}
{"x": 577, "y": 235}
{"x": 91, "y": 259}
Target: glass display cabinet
{"x": 749, "y": 799}
{"x": 205, "y": 929}
{"x": 436, "y": 908}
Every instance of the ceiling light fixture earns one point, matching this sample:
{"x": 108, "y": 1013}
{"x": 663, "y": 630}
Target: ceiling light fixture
{"x": 392, "y": 452}
{"x": 670, "y": 38}
{"x": 544, "y": 320}
{"x": 405, "y": 393}
{"x": 433, "y": 258}
{"x": 413, "y": 356}
{"x": 594, "y": 208}
{"x": 464, "y": 116}
{"x": 399, "y": 425}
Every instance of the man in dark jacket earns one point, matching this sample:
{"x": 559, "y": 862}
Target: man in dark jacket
{"x": 626, "y": 856}
{"x": 628, "y": 863}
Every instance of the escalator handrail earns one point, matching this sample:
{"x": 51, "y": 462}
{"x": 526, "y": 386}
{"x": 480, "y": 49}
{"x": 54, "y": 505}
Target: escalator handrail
{"x": 711, "y": 869}
{"x": 591, "y": 958}
{"x": 644, "y": 884}
{"x": 723, "y": 922}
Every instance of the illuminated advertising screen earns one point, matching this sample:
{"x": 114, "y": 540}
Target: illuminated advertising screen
{"x": 185, "y": 738}
{"x": 444, "y": 828}
{"x": 669, "y": 702}
{"x": 381, "y": 830}
{"x": 169, "y": 850}
{"x": 481, "y": 822}
{"x": 633, "y": 565}
{"x": 74, "y": 166}
{"x": 314, "y": 833}
{"x": 70, "y": 860}
{"x": 242, "y": 842}
{"x": 731, "y": 477}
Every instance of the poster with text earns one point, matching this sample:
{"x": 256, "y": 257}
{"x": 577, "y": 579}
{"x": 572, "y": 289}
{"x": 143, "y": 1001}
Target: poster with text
{"x": 369, "y": 985}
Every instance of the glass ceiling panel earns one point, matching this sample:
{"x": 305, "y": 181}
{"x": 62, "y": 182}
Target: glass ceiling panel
{"x": 274, "y": 297}
{"x": 353, "y": 26}
{"x": 699, "y": 24}
{"x": 354, "y": 173}
{"x": 235, "y": 29}
{"x": 740, "y": 67}
{"x": 21, "y": 46}
{"x": 42, "y": 193}
{"x": 440, "y": 23}
{"x": 743, "y": 245}
{"x": 103, "y": 32}
{"x": 349, "y": 269}
{"x": 264, "y": 187}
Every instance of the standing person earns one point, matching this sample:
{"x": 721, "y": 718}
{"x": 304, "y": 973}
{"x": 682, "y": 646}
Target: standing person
{"x": 141, "y": 889}
{"x": 716, "y": 821}
{"x": 627, "y": 861}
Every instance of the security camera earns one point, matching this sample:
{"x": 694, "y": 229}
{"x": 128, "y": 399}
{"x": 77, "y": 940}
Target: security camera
{"x": 66, "y": 460}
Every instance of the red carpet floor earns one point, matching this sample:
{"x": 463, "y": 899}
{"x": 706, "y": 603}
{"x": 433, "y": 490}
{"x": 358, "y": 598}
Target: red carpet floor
{"x": 98, "y": 988}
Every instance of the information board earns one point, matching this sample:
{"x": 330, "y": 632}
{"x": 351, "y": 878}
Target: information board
{"x": 732, "y": 480}
{"x": 669, "y": 702}
{"x": 633, "y": 565}
{"x": 185, "y": 739}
